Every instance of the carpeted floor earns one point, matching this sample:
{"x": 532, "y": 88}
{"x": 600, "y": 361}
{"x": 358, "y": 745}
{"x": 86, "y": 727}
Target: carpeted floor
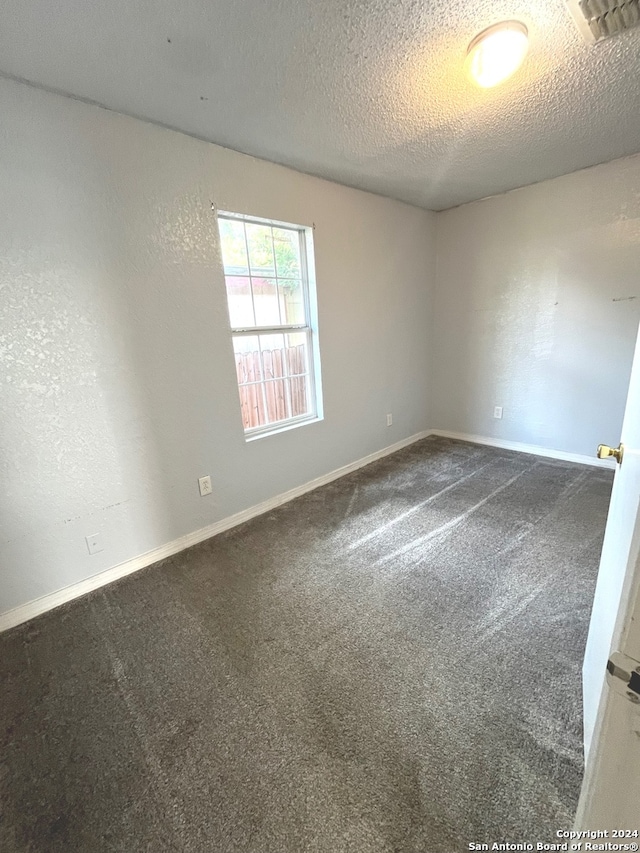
{"x": 390, "y": 663}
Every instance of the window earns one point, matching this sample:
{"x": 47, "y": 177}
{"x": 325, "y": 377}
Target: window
{"x": 268, "y": 271}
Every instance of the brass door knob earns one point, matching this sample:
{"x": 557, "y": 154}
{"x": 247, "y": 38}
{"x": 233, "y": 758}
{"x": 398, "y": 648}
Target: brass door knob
{"x": 604, "y": 452}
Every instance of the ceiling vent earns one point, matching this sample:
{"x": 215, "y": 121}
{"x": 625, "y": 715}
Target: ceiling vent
{"x": 600, "y": 19}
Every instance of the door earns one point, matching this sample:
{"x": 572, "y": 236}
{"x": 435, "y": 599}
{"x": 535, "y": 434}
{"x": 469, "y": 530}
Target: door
{"x": 610, "y": 797}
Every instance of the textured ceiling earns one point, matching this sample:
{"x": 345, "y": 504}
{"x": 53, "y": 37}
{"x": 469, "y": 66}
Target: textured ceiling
{"x": 370, "y": 93}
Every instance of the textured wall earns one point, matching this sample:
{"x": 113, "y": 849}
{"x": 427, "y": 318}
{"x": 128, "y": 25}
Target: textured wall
{"x": 537, "y": 309}
{"x": 118, "y": 382}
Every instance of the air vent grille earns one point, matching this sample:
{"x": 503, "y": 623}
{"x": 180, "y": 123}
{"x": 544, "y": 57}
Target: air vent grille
{"x": 601, "y": 19}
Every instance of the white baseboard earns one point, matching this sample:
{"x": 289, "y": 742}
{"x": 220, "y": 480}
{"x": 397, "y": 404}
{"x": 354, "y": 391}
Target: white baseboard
{"x": 520, "y": 447}
{"x": 27, "y": 611}
{"x": 12, "y": 618}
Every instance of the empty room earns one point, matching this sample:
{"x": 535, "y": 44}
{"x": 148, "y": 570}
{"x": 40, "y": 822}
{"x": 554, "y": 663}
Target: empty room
{"x": 320, "y": 435}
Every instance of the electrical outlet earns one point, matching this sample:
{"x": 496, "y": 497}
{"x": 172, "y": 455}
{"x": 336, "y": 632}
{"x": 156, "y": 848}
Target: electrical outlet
{"x": 497, "y": 412}
{"x": 205, "y": 485}
{"x": 94, "y": 543}
{"x": 389, "y": 419}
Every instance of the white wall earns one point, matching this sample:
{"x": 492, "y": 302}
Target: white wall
{"x": 118, "y": 382}
{"x": 117, "y": 376}
{"x": 536, "y": 309}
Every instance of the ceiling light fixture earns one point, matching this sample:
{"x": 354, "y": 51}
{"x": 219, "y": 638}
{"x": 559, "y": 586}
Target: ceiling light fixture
{"x": 497, "y": 52}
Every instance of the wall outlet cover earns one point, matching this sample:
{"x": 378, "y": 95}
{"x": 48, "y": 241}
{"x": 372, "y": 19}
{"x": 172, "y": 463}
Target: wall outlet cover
{"x": 497, "y": 412}
{"x": 94, "y": 543}
{"x": 204, "y": 484}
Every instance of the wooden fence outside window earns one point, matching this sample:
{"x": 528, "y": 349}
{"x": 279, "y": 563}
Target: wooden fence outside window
{"x": 277, "y": 392}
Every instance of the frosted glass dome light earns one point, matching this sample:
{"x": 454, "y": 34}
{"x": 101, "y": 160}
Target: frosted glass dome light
{"x": 497, "y": 52}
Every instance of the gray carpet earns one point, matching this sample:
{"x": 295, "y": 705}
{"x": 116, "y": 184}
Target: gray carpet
{"x": 390, "y": 663}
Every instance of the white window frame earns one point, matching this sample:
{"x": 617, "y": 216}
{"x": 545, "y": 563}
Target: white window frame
{"x": 309, "y": 327}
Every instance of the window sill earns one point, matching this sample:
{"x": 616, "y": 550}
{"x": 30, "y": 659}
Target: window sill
{"x": 254, "y": 436}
